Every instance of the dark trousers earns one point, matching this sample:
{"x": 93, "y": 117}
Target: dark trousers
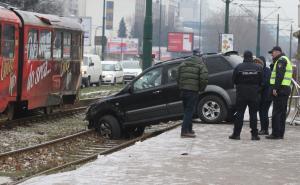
{"x": 263, "y": 114}
{"x": 279, "y": 115}
{"x": 239, "y": 118}
{"x": 190, "y": 99}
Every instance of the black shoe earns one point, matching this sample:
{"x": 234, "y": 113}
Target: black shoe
{"x": 192, "y": 132}
{"x": 255, "y": 138}
{"x": 188, "y": 135}
{"x": 263, "y": 132}
{"x": 273, "y": 137}
{"x": 234, "y": 137}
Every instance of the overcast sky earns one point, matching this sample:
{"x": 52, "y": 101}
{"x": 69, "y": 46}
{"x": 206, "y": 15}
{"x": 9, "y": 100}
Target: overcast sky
{"x": 289, "y": 8}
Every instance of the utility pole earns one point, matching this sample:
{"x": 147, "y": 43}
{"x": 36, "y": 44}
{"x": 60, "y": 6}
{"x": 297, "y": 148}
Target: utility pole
{"x": 258, "y": 29}
{"x": 103, "y": 41}
{"x": 200, "y": 27}
{"x": 147, "y": 44}
{"x": 291, "y": 42}
{"x": 277, "y": 36}
{"x": 226, "y": 30}
{"x": 159, "y": 38}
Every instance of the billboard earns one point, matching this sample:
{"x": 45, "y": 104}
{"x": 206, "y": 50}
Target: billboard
{"x": 123, "y": 46}
{"x": 226, "y": 43}
{"x": 87, "y": 27}
{"x": 109, "y": 15}
{"x": 180, "y": 42}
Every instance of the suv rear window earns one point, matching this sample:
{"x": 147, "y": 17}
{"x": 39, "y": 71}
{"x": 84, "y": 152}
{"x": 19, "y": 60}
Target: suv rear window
{"x": 234, "y": 60}
{"x": 217, "y": 65}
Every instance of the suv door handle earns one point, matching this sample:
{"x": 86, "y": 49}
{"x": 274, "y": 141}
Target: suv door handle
{"x": 157, "y": 92}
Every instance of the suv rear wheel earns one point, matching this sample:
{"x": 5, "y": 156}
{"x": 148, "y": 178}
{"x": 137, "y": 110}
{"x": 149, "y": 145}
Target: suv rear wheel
{"x": 212, "y": 109}
{"x": 134, "y": 131}
{"x": 108, "y": 127}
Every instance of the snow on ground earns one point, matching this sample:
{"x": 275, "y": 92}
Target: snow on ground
{"x": 4, "y": 180}
{"x": 211, "y": 158}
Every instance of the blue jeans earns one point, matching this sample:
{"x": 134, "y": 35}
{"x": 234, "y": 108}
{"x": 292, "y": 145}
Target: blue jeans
{"x": 263, "y": 114}
{"x": 190, "y": 99}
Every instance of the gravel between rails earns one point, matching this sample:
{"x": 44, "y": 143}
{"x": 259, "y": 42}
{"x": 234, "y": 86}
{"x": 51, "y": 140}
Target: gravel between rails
{"x": 36, "y": 133}
{"x": 33, "y": 134}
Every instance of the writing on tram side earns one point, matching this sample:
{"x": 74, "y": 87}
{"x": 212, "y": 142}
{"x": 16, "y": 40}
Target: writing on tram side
{"x": 8, "y": 70}
{"x": 65, "y": 67}
{"x": 36, "y": 76}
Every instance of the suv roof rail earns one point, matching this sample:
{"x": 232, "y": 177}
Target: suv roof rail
{"x": 210, "y": 53}
{"x": 185, "y": 57}
{"x": 231, "y": 53}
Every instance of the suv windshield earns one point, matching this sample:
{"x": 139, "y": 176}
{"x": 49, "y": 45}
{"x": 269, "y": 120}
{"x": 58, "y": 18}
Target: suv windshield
{"x": 131, "y": 65}
{"x": 108, "y": 67}
{"x": 85, "y": 61}
{"x": 234, "y": 60}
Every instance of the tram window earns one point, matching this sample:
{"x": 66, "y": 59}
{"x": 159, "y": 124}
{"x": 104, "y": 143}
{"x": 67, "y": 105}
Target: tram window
{"x": 67, "y": 45}
{"x": 76, "y": 38}
{"x": 57, "y": 45}
{"x": 32, "y": 44}
{"x": 45, "y": 45}
{"x": 8, "y": 44}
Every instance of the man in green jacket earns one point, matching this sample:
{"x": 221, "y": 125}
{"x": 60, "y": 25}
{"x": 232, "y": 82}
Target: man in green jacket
{"x": 192, "y": 79}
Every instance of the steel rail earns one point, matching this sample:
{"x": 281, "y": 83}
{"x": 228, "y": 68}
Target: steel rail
{"x": 15, "y": 152}
{"x": 106, "y": 152}
{"x": 81, "y": 105}
{"x": 36, "y": 118}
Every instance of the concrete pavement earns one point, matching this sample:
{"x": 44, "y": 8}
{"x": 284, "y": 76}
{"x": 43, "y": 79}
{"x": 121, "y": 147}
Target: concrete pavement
{"x": 211, "y": 158}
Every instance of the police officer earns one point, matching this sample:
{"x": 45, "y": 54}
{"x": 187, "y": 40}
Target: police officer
{"x": 248, "y": 78}
{"x": 281, "y": 77}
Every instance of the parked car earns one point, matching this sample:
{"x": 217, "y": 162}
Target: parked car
{"x": 131, "y": 69}
{"x": 91, "y": 70}
{"x": 154, "y": 96}
{"x": 112, "y": 72}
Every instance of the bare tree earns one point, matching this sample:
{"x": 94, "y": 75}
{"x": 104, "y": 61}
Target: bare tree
{"x": 244, "y": 29}
{"x": 41, "y": 6}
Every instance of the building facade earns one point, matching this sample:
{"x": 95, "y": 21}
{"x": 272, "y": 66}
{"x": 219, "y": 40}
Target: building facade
{"x": 133, "y": 12}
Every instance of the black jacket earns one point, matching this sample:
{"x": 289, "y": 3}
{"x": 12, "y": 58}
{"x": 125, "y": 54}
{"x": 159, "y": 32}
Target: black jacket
{"x": 282, "y": 90}
{"x": 266, "y": 87}
{"x": 248, "y": 78}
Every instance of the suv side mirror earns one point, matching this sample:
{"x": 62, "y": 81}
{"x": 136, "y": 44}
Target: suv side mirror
{"x": 91, "y": 64}
{"x": 130, "y": 89}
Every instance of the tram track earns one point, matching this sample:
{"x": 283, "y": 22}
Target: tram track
{"x": 72, "y": 150}
{"x": 58, "y": 113}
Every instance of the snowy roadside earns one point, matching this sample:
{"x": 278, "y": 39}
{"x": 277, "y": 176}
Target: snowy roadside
{"x": 211, "y": 158}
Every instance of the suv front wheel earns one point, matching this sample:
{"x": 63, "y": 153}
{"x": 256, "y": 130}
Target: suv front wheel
{"x": 212, "y": 109}
{"x": 108, "y": 127}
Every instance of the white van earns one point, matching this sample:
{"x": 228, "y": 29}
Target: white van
{"x": 91, "y": 70}
{"x": 112, "y": 72}
{"x": 131, "y": 69}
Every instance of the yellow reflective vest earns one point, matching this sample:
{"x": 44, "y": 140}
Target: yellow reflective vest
{"x": 288, "y": 75}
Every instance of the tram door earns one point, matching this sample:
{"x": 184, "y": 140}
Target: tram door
{"x": 9, "y": 37}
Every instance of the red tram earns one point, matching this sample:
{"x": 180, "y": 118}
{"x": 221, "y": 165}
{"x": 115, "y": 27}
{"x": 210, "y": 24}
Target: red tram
{"x": 40, "y": 57}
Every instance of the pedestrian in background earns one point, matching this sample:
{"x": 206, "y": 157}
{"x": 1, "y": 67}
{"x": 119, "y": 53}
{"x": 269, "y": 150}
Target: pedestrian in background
{"x": 192, "y": 79}
{"x": 266, "y": 99}
{"x": 281, "y": 78}
{"x": 247, "y": 77}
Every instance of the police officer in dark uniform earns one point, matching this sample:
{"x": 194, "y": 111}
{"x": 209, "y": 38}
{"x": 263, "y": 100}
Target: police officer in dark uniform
{"x": 248, "y": 78}
{"x": 281, "y": 78}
